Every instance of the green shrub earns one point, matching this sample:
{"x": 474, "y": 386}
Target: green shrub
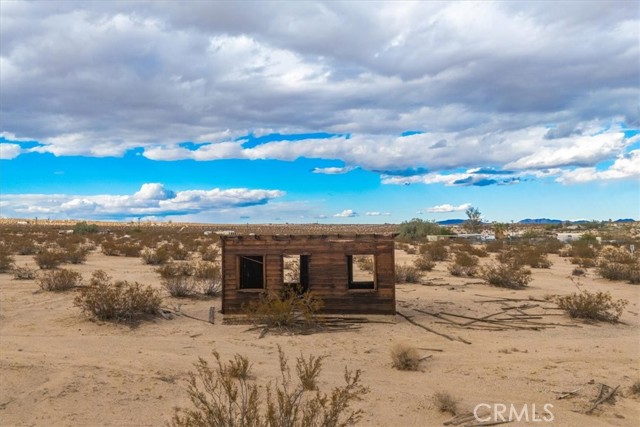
{"x": 85, "y": 228}
{"x": 407, "y": 274}
{"x": 24, "y": 273}
{"x": 50, "y": 258}
{"x": 506, "y": 275}
{"x": 598, "y": 306}
{"x": 405, "y": 357}
{"x": 220, "y": 399}
{"x": 117, "y": 301}
{"x": 59, "y": 280}
{"x": 418, "y": 229}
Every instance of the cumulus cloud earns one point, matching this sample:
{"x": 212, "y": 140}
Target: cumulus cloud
{"x": 503, "y": 85}
{"x": 9, "y": 151}
{"x": 376, "y": 213}
{"x": 625, "y": 167}
{"x": 347, "y": 213}
{"x": 153, "y": 199}
{"x": 448, "y": 208}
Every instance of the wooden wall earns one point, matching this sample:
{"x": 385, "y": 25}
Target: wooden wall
{"x": 328, "y": 272}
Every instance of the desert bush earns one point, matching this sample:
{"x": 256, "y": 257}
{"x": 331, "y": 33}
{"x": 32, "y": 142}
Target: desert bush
{"x": 506, "y": 275}
{"x": 178, "y": 279}
{"x": 405, "y": 357}
{"x": 424, "y": 262}
{"x": 410, "y": 250}
{"x": 308, "y": 371}
{"x": 76, "y": 255}
{"x": 286, "y": 310}
{"x": 239, "y": 367}
{"x": 619, "y": 264}
{"x": 219, "y": 399}
{"x": 417, "y": 229}
{"x": 156, "y": 256}
{"x": 550, "y": 246}
{"x": 407, "y": 274}
{"x": 6, "y": 260}
{"x": 59, "y": 280}
{"x": 177, "y": 251}
{"x": 209, "y": 276}
{"x": 209, "y": 253}
{"x": 474, "y": 250}
{"x": 445, "y": 403}
{"x": 117, "y": 301}
{"x": 494, "y": 246}
{"x": 26, "y": 248}
{"x": 523, "y": 255}
{"x": 582, "y": 249}
{"x": 438, "y": 251}
{"x": 50, "y": 258}
{"x": 24, "y": 273}
{"x": 578, "y": 272}
{"x": 598, "y": 306}
{"x": 635, "y": 388}
{"x": 584, "y": 262}
{"x": 364, "y": 263}
{"x": 85, "y": 228}
{"x": 126, "y": 248}
{"x": 464, "y": 265}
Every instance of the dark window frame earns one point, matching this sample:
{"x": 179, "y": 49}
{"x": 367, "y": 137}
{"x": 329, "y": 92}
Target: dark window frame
{"x": 248, "y": 258}
{"x": 367, "y": 286}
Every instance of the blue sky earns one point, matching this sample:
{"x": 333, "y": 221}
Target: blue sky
{"x": 340, "y": 112}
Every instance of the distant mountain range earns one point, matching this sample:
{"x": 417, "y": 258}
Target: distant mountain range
{"x": 459, "y": 221}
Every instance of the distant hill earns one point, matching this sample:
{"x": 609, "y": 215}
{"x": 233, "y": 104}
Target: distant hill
{"x": 451, "y": 222}
{"x": 625, "y": 220}
{"x": 540, "y": 221}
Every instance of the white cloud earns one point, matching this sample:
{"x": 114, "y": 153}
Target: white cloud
{"x": 9, "y": 151}
{"x": 376, "y": 213}
{"x": 625, "y": 167}
{"x": 153, "y": 199}
{"x": 448, "y": 208}
{"x": 333, "y": 170}
{"x": 347, "y": 213}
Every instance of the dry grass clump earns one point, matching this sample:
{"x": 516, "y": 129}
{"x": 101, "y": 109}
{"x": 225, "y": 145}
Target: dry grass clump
{"x": 209, "y": 252}
{"x": 220, "y": 399}
{"x": 239, "y": 367}
{"x": 445, "y": 402}
{"x": 598, "y": 306}
{"x": 405, "y": 357}
{"x": 24, "y": 273}
{"x": 635, "y": 388}
{"x": 177, "y": 251}
{"x": 506, "y": 275}
{"x": 116, "y": 301}
{"x": 209, "y": 276}
{"x": 619, "y": 264}
{"x": 288, "y": 310}
{"x": 59, "y": 280}
{"x": 6, "y": 260}
{"x": 125, "y": 247}
{"x": 407, "y": 274}
{"x": 424, "y": 262}
{"x": 308, "y": 371}
{"x": 178, "y": 280}
{"x": 76, "y": 254}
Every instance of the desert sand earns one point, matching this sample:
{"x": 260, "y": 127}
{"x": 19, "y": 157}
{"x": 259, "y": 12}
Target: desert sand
{"x": 58, "y": 368}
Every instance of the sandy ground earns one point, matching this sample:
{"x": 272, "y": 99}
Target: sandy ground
{"x": 57, "y": 368}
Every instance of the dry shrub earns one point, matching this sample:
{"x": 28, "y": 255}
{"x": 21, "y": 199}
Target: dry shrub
{"x": 209, "y": 253}
{"x": 6, "y": 260}
{"x": 219, "y": 399}
{"x": 475, "y": 250}
{"x": 582, "y": 249}
{"x": 308, "y": 371}
{"x": 584, "y": 262}
{"x": 59, "y": 280}
{"x": 77, "y": 254}
{"x": 156, "y": 256}
{"x": 424, "y": 262}
{"x": 464, "y": 265}
{"x": 410, "y": 250}
{"x": 50, "y": 258}
{"x": 578, "y": 272}
{"x": 24, "y": 273}
{"x": 407, "y": 274}
{"x": 178, "y": 280}
{"x": 117, "y": 301}
{"x": 494, "y": 246}
{"x": 365, "y": 263}
{"x": 177, "y": 251}
{"x": 619, "y": 264}
{"x": 288, "y": 310}
{"x": 209, "y": 276}
{"x": 445, "y": 403}
{"x": 506, "y": 275}
{"x": 125, "y": 248}
{"x": 239, "y": 367}
{"x": 523, "y": 255}
{"x": 635, "y": 388}
{"x": 438, "y": 251}
{"x": 598, "y": 306}
{"x": 405, "y": 357}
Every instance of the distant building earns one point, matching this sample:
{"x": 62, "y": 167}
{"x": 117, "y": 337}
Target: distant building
{"x": 568, "y": 237}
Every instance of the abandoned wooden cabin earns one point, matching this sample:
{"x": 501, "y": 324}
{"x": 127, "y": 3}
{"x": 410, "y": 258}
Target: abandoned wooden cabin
{"x": 351, "y": 274}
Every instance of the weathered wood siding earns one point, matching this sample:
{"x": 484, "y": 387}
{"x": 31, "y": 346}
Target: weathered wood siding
{"x": 328, "y": 270}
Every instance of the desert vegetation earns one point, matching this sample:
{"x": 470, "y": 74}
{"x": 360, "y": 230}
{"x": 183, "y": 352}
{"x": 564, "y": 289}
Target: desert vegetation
{"x": 59, "y": 280}
{"x": 598, "y": 306}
